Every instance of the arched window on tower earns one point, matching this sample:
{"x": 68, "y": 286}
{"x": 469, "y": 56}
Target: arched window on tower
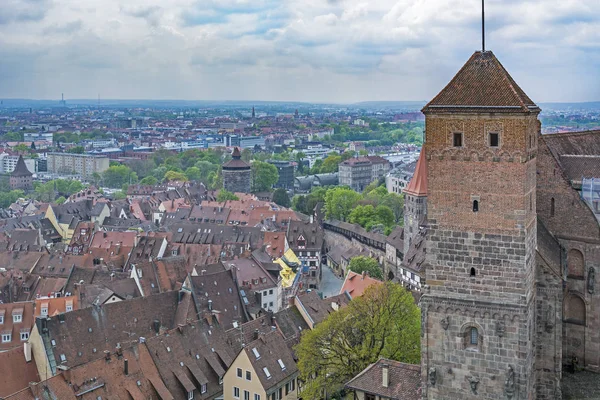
{"x": 552, "y": 207}
{"x": 472, "y": 337}
{"x": 575, "y": 264}
{"x": 472, "y": 273}
{"x": 475, "y": 205}
{"x": 575, "y": 312}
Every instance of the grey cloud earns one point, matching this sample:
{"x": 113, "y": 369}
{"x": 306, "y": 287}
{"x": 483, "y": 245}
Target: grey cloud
{"x": 68, "y": 28}
{"x": 20, "y": 11}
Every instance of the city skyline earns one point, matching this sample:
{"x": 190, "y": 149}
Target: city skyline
{"x": 320, "y": 51}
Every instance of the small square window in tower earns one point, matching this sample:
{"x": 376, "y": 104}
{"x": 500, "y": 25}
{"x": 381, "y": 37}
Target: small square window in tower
{"x": 494, "y": 139}
{"x": 457, "y": 139}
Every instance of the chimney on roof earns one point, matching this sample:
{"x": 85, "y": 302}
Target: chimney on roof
{"x": 364, "y": 274}
{"x": 107, "y": 355}
{"x": 104, "y": 234}
{"x": 119, "y": 350}
{"x": 126, "y": 367}
{"x": 209, "y": 305}
{"x": 256, "y": 334}
{"x": 385, "y": 372}
{"x": 156, "y": 325}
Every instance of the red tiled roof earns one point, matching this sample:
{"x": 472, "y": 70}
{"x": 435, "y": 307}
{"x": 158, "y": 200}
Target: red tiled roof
{"x": 482, "y": 85}
{"x": 356, "y": 284}
{"x": 15, "y": 372}
{"x": 418, "y": 183}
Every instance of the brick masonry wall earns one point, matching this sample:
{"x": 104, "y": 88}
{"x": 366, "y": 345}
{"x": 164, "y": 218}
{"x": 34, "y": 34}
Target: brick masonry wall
{"x": 498, "y": 241}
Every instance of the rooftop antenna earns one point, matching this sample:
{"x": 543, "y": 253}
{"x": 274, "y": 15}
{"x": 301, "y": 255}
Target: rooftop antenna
{"x": 483, "y": 25}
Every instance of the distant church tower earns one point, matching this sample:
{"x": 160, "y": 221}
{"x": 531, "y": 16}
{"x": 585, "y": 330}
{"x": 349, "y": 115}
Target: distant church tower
{"x": 415, "y": 202}
{"x": 478, "y": 314}
{"x": 253, "y": 113}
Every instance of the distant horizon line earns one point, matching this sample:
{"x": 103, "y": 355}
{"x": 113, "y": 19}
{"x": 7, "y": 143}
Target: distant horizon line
{"x": 101, "y": 100}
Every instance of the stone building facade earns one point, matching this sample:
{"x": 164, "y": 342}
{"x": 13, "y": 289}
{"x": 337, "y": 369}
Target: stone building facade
{"x": 564, "y": 159}
{"x": 237, "y": 174}
{"x": 487, "y": 290}
{"x": 21, "y": 177}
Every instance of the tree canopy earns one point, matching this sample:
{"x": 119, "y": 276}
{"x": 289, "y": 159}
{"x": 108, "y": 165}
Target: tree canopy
{"x": 384, "y": 322}
{"x": 281, "y": 197}
{"x": 225, "y": 195}
{"x": 370, "y": 265}
{"x": 118, "y": 175}
{"x": 339, "y": 202}
{"x": 264, "y": 176}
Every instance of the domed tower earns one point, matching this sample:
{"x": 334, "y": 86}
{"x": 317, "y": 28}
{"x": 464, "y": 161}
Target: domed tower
{"x": 237, "y": 174}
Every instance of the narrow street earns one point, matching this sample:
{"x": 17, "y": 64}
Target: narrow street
{"x": 330, "y": 283}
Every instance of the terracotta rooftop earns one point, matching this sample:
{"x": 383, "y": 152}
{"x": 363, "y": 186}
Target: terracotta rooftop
{"x": 418, "y": 183}
{"x": 236, "y": 162}
{"x": 356, "y": 284}
{"x": 404, "y": 380}
{"x": 481, "y": 85}
{"x": 16, "y": 372}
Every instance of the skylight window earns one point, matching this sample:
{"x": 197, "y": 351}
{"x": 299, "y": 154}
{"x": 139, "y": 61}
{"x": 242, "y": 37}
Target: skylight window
{"x": 267, "y": 373}
{"x": 281, "y": 364}
{"x": 256, "y": 353}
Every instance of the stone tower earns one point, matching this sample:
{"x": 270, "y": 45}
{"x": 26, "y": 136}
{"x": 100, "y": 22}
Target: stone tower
{"x": 21, "y": 177}
{"x": 415, "y": 202}
{"x": 237, "y": 174}
{"x": 478, "y": 311}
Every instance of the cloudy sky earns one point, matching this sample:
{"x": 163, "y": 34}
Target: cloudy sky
{"x": 298, "y": 50}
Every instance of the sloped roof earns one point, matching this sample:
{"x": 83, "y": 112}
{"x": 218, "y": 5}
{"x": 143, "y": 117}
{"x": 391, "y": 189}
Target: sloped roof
{"x": 481, "y": 85}
{"x": 356, "y": 284}
{"x": 21, "y": 168}
{"x": 404, "y": 380}
{"x": 418, "y": 183}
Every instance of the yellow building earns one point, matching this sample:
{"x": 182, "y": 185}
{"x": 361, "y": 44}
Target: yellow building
{"x": 263, "y": 370}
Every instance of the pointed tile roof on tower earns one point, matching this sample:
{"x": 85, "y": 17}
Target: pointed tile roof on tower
{"x": 482, "y": 85}
{"x": 236, "y": 162}
{"x": 21, "y": 168}
{"x": 418, "y": 184}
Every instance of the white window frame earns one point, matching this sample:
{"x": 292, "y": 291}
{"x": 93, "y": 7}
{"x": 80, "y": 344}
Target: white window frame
{"x": 1, "y": 319}
{"x": 24, "y": 336}
{"x": 6, "y": 337}
{"x": 191, "y": 395}
{"x": 203, "y": 388}
{"x": 17, "y": 318}
{"x": 44, "y": 311}
{"x": 236, "y": 390}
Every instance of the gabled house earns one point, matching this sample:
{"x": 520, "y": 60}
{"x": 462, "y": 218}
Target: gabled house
{"x": 386, "y": 380}
{"x": 263, "y": 370}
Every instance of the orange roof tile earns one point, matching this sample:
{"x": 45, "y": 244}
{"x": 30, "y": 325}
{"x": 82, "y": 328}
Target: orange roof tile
{"x": 356, "y": 284}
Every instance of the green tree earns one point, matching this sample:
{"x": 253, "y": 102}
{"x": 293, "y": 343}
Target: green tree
{"x": 22, "y": 148}
{"x": 384, "y": 215}
{"x": 60, "y": 200}
{"x": 193, "y": 173}
{"x": 347, "y": 155}
{"x": 13, "y": 137}
{"x": 175, "y": 176}
{"x": 96, "y": 179}
{"x": 247, "y": 155}
{"x": 299, "y": 203}
{"x": 362, "y": 215}
{"x": 225, "y": 195}
{"x": 159, "y": 172}
{"x": 119, "y": 195}
{"x": 370, "y": 265}
{"x": 76, "y": 150}
{"x": 330, "y": 164}
{"x": 384, "y": 322}
{"x": 74, "y": 187}
{"x": 281, "y": 197}
{"x": 118, "y": 175}
{"x": 149, "y": 180}
{"x": 264, "y": 176}
{"x": 339, "y": 202}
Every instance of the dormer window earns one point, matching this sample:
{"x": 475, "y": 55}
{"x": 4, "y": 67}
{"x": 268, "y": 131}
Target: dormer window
{"x": 301, "y": 242}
